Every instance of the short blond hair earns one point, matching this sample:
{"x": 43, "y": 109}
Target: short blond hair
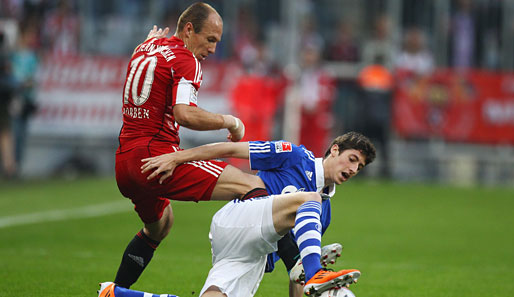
{"x": 196, "y": 14}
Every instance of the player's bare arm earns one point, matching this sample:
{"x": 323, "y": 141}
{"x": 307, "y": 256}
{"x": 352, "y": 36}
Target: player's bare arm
{"x": 195, "y": 118}
{"x": 165, "y": 164}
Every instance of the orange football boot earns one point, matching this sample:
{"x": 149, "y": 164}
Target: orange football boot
{"x": 329, "y": 255}
{"x": 106, "y": 289}
{"x": 325, "y": 280}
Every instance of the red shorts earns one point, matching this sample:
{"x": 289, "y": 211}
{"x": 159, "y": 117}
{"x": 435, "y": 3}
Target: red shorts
{"x": 192, "y": 181}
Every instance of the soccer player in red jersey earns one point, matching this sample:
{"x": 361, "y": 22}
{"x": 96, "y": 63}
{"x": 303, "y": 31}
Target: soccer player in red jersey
{"x": 160, "y": 95}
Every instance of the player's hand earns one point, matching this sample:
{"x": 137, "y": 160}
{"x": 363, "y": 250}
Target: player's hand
{"x": 157, "y": 32}
{"x": 237, "y": 132}
{"x": 164, "y": 164}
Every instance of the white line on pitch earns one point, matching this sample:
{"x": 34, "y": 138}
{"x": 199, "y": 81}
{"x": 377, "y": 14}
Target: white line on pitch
{"x": 89, "y": 211}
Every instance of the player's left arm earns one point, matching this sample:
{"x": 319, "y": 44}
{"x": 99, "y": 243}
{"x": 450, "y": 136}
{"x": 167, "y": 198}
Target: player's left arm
{"x": 166, "y": 163}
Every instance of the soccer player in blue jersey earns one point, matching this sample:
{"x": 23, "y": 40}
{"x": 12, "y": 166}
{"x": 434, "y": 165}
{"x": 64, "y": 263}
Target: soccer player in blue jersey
{"x": 244, "y": 231}
{"x": 285, "y": 168}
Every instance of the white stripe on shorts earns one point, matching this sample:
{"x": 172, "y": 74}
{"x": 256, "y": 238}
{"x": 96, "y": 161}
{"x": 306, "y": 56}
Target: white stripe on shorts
{"x": 213, "y": 166}
{"x": 211, "y": 170}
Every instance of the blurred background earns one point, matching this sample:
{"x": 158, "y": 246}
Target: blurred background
{"x": 430, "y": 81}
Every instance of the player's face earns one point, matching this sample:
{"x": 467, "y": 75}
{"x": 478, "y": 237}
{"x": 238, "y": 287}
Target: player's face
{"x": 204, "y": 43}
{"x": 341, "y": 167}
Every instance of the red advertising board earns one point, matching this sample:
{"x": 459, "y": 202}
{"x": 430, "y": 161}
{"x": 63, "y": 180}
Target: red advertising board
{"x": 82, "y": 95}
{"x": 477, "y": 106}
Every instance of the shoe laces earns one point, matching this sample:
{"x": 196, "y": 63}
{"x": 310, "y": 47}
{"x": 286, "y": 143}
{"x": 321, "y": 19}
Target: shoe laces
{"x": 321, "y": 273}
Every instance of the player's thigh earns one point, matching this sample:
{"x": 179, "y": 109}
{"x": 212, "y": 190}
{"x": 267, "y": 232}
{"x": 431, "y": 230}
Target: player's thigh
{"x": 244, "y": 230}
{"x": 242, "y": 234}
{"x": 193, "y": 181}
{"x": 233, "y": 183}
{"x": 132, "y": 184}
{"x": 285, "y": 207}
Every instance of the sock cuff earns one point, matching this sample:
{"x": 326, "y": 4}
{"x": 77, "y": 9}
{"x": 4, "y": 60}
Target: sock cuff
{"x": 152, "y": 243}
{"x": 310, "y": 206}
{"x": 257, "y": 192}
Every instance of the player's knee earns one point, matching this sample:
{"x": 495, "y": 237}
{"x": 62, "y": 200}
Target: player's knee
{"x": 310, "y": 196}
{"x": 293, "y": 203}
{"x": 303, "y": 197}
{"x": 213, "y": 291}
{"x": 235, "y": 183}
{"x": 158, "y": 234}
{"x": 253, "y": 182}
{"x": 165, "y": 230}
{"x": 248, "y": 182}
{"x": 160, "y": 229}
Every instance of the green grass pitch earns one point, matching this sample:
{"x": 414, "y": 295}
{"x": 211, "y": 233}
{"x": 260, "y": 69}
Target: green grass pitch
{"x": 407, "y": 239}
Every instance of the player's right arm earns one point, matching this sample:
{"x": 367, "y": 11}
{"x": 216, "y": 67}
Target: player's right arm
{"x": 195, "y": 118}
{"x": 166, "y": 163}
{"x": 187, "y": 78}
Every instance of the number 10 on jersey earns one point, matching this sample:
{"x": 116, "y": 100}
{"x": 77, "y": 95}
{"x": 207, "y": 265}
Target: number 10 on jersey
{"x": 137, "y": 67}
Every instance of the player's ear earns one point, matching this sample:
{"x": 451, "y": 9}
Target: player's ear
{"x": 188, "y": 29}
{"x": 334, "y": 150}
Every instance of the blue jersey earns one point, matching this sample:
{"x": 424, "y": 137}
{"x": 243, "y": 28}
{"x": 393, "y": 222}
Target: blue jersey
{"x": 287, "y": 168}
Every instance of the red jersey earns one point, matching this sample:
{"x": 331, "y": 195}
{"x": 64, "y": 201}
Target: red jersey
{"x": 161, "y": 73}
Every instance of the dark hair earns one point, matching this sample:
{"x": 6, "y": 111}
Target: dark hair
{"x": 357, "y": 141}
{"x": 196, "y": 14}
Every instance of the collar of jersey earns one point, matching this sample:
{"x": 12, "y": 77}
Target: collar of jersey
{"x": 320, "y": 178}
{"x": 179, "y": 41}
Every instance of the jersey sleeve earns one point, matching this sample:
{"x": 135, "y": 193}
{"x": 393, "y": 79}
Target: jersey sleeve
{"x": 267, "y": 155}
{"x": 187, "y": 74}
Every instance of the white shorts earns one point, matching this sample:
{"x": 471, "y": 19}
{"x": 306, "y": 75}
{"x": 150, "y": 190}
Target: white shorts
{"x": 242, "y": 235}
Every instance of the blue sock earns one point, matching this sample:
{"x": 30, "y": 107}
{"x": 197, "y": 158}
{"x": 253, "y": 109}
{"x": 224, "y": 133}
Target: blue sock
{"x": 122, "y": 292}
{"x": 307, "y": 232}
